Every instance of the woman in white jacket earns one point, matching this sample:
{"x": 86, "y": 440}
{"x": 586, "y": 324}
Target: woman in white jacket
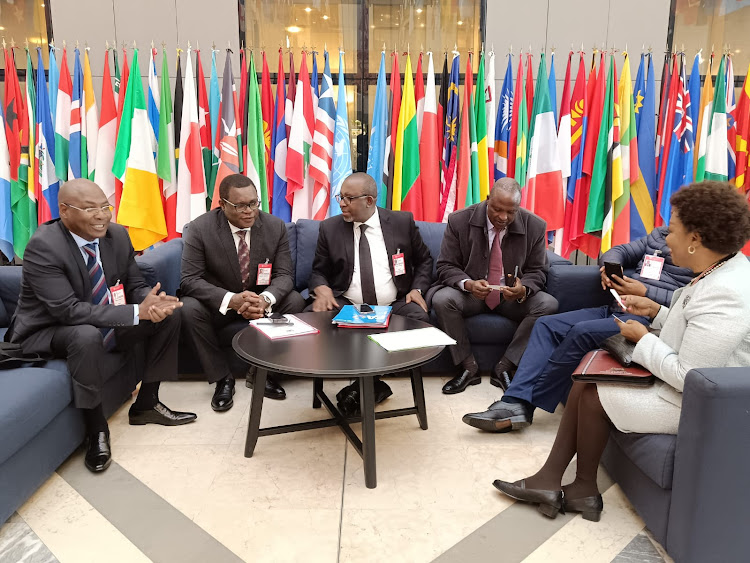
{"x": 707, "y": 325}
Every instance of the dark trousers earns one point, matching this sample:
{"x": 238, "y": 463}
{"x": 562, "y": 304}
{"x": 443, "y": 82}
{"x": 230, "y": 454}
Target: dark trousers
{"x": 90, "y": 365}
{"x": 210, "y": 331}
{"x": 453, "y": 305}
{"x": 558, "y": 344}
{"x": 398, "y": 307}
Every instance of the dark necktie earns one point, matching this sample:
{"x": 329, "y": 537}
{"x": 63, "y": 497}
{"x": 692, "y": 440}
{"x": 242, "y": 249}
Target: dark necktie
{"x": 495, "y": 274}
{"x": 99, "y": 293}
{"x": 243, "y": 253}
{"x": 366, "y": 277}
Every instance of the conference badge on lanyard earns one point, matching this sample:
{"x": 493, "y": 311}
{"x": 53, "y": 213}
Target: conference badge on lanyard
{"x": 399, "y": 266}
{"x": 264, "y": 273}
{"x": 117, "y": 292}
{"x": 652, "y": 266}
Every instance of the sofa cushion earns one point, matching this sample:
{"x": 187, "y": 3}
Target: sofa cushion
{"x": 29, "y": 399}
{"x": 432, "y": 235}
{"x": 652, "y": 453}
{"x": 307, "y": 241}
{"x": 291, "y": 235}
{"x": 162, "y": 264}
{"x": 4, "y": 317}
{"x": 10, "y": 289}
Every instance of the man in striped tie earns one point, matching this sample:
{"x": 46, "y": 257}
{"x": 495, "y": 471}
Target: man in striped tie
{"x": 84, "y": 299}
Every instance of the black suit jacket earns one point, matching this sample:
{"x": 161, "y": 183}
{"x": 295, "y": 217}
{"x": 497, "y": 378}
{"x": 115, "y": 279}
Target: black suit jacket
{"x": 56, "y": 287}
{"x": 210, "y": 267}
{"x": 464, "y": 252}
{"x": 333, "y": 264}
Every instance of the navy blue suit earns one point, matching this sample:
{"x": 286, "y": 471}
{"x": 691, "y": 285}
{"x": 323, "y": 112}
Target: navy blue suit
{"x": 559, "y": 342}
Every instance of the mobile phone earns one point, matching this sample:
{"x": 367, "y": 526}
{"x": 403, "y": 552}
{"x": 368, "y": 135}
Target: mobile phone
{"x": 613, "y": 269}
{"x": 278, "y": 318}
{"x": 618, "y": 319}
{"x": 364, "y": 308}
{"x": 510, "y": 279}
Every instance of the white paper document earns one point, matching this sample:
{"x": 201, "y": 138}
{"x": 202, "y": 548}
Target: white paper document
{"x": 412, "y": 339}
{"x": 274, "y": 331}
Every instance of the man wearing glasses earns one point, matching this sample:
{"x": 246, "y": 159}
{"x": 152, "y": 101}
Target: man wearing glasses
{"x": 236, "y": 266}
{"x": 373, "y": 256}
{"x": 83, "y": 299}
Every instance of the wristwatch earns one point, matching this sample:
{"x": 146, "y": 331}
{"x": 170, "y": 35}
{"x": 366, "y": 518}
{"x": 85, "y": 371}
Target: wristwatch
{"x": 525, "y": 297}
{"x": 418, "y": 290}
{"x": 267, "y": 300}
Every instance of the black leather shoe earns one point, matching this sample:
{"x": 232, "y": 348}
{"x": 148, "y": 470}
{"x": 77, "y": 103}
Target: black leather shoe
{"x": 501, "y": 417}
{"x": 159, "y": 414}
{"x": 460, "y": 382}
{"x": 222, "y": 399}
{"x": 272, "y": 390}
{"x": 549, "y": 503}
{"x": 501, "y": 376}
{"x": 382, "y": 390}
{"x": 98, "y": 453}
{"x": 348, "y": 398}
{"x": 589, "y": 507}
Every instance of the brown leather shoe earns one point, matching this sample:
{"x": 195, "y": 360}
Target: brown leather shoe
{"x": 549, "y": 503}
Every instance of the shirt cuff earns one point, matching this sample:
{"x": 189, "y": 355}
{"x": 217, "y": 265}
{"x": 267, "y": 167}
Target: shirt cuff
{"x": 136, "y": 316}
{"x": 461, "y": 284}
{"x": 271, "y": 298}
{"x": 225, "y": 302}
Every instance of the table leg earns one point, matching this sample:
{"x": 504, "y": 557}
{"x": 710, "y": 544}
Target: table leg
{"x": 317, "y": 387}
{"x": 367, "y": 407}
{"x": 417, "y": 389}
{"x": 256, "y": 406}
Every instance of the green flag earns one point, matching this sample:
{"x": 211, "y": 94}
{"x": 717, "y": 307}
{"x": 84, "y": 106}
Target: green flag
{"x": 256, "y": 145}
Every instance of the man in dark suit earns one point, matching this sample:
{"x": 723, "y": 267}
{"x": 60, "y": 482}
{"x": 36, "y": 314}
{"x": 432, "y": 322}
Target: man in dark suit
{"x": 236, "y": 266}
{"x": 369, "y": 255}
{"x": 78, "y": 273}
{"x": 481, "y": 249}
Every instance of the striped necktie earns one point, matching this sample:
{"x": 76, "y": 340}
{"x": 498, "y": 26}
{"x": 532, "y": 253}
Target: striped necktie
{"x": 99, "y": 292}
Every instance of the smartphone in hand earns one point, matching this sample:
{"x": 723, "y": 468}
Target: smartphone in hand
{"x": 510, "y": 279}
{"x": 613, "y": 269}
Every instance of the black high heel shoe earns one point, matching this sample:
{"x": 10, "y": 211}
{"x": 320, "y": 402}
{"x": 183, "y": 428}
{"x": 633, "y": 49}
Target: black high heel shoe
{"x": 549, "y": 503}
{"x": 589, "y": 507}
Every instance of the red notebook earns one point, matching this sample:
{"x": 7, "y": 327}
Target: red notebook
{"x": 599, "y": 366}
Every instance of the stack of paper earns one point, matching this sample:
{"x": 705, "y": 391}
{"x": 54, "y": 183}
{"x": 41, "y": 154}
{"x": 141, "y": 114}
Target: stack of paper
{"x": 412, "y": 339}
{"x": 349, "y": 317}
{"x": 274, "y": 331}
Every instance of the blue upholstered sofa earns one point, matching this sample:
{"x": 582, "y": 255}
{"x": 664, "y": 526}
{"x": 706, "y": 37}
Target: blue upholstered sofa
{"x": 690, "y": 489}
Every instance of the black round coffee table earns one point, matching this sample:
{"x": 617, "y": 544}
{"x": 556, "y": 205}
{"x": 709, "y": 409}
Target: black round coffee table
{"x": 343, "y": 353}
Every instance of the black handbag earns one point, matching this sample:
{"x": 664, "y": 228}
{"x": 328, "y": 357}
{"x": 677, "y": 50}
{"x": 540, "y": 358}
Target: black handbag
{"x": 621, "y": 348}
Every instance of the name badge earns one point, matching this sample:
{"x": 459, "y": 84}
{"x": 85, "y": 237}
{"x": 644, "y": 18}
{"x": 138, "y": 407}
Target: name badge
{"x": 399, "y": 266}
{"x": 118, "y": 294}
{"x": 652, "y": 266}
{"x": 264, "y": 274}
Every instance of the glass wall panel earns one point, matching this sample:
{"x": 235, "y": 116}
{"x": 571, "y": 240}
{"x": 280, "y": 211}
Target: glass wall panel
{"x": 25, "y": 21}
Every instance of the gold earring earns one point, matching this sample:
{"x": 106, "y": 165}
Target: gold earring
{"x": 691, "y": 249}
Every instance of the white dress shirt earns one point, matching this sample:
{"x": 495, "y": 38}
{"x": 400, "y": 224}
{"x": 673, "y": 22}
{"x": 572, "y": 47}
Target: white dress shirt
{"x": 385, "y": 288}
{"x": 228, "y": 297}
{"x": 81, "y": 242}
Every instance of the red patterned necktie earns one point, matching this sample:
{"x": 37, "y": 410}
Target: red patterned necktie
{"x": 495, "y": 274}
{"x": 243, "y": 253}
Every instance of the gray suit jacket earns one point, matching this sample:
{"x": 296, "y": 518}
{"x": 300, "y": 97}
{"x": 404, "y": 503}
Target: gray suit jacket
{"x": 210, "y": 267}
{"x": 464, "y": 252}
{"x": 56, "y": 287}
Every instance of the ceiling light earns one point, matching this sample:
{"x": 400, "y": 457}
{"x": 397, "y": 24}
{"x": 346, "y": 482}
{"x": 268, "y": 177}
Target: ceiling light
{"x": 325, "y": 17}
{"x": 293, "y": 29}
{"x": 419, "y": 10}
{"x": 421, "y": 25}
{"x": 460, "y": 22}
{"x": 308, "y": 9}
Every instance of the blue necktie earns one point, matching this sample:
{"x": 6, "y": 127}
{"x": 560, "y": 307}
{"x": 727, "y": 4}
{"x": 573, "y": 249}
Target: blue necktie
{"x": 99, "y": 293}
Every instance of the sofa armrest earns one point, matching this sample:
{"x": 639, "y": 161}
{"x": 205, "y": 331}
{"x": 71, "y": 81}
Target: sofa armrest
{"x": 576, "y": 287}
{"x": 162, "y": 264}
{"x": 710, "y": 505}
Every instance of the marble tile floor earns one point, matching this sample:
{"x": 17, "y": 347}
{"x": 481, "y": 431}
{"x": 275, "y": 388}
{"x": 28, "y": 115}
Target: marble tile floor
{"x": 189, "y": 494}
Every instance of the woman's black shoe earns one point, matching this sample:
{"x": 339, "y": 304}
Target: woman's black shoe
{"x": 589, "y": 507}
{"x": 549, "y": 502}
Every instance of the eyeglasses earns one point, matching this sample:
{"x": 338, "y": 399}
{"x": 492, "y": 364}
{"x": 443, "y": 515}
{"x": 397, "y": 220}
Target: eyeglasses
{"x": 242, "y": 207}
{"x": 91, "y": 210}
{"x": 348, "y": 199}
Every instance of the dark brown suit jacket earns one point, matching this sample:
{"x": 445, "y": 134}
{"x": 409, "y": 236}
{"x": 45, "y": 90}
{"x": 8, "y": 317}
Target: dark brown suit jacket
{"x": 334, "y": 256}
{"x": 210, "y": 267}
{"x": 464, "y": 252}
